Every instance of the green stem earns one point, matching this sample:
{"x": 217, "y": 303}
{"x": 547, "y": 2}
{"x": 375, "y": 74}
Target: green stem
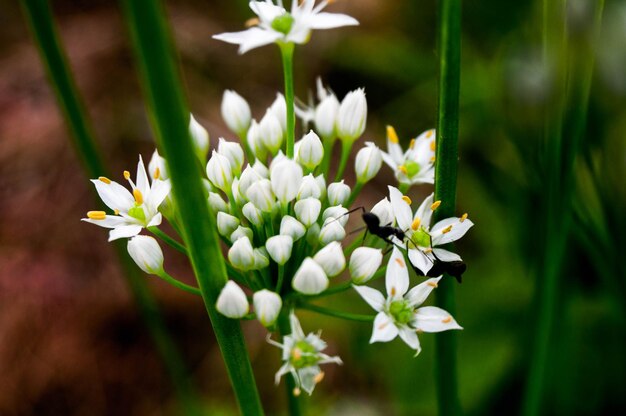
{"x": 286, "y": 52}
{"x": 178, "y": 284}
{"x": 293, "y": 402}
{"x": 341, "y": 287}
{"x": 355, "y": 192}
{"x": 281, "y": 277}
{"x": 167, "y": 239}
{"x": 246, "y": 147}
{"x": 337, "y": 314}
{"x": 44, "y": 32}
{"x": 328, "y": 143}
{"x": 160, "y": 78}
{"x": 445, "y": 189}
{"x": 346, "y": 146}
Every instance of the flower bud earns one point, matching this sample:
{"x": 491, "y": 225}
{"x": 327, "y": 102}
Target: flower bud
{"x": 261, "y": 259}
{"x": 241, "y": 254}
{"x": 271, "y": 132}
{"x": 200, "y": 138}
{"x": 234, "y": 152}
{"x": 247, "y": 178}
{"x": 226, "y": 223}
{"x": 232, "y": 301}
{"x": 261, "y": 169}
{"x": 331, "y": 259}
{"x": 217, "y": 203}
{"x": 321, "y": 183}
{"x": 267, "y": 306}
{"x": 254, "y": 141}
{"x": 286, "y": 178}
{"x": 158, "y": 167}
{"x": 279, "y": 109}
{"x": 260, "y": 193}
{"x": 326, "y": 116}
{"x": 292, "y": 227}
{"x": 219, "y": 171}
{"x": 368, "y": 162}
{"x": 352, "y": 116}
{"x": 337, "y": 213}
{"x": 310, "y": 278}
{"x": 252, "y": 214}
{"x": 309, "y": 188}
{"x": 331, "y": 231}
{"x": 364, "y": 262}
{"x": 307, "y": 210}
{"x": 241, "y": 232}
{"x": 313, "y": 234}
{"x": 338, "y": 193}
{"x": 147, "y": 253}
{"x": 279, "y": 248}
{"x": 384, "y": 211}
{"x": 237, "y": 196}
{"x": 310, "y": 151}
{"x": 236, "y": 112}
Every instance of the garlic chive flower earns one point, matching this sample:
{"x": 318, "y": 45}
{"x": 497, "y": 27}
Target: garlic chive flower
{"x": 302, "y": 356}
{"x": 157, "y": 168}
{"x": 232, "y": 301}
{"x": 368, "y": 162}
{"x": 331, "y": 259}
{"x": 271, "y": 132}
{"x": 415, "y": 165}
{"x": 267, "y": 306}
{"x": 332, "y": 230}
{"x": 384, "y": 211}
{"x": 398, "y": 314}
{"x": 352, "y": 116}
{"x": 241, "y": 232}
{"x": 292, "y": 227}
{"x": 219, "y": 171}
{"x": 307, "y": 210}
{"x": 338, "y": 193}
{"x": 241, "y": 254}
{"x": 364, "y": 262}
{"x": 200, "y": 138}
{"x": 286, "y": 178}
{"x": 310, "y": 151}
{"x": 277, "y": 25}
{"x": 226, "y": 223}
{"x": 234, "y": 152}
{"x": 252, "y": 214}
{"x": 279, "y": 109}
{"x": 309, "y": 188}
{"x": 310, "y": 278}
{"x": 236, "y": 112}
{"x": 421, "y": 240}
{"x": 325, "y": 117}
{"x": 146, "y": 253}
{"x": 279, "y": 248}
{"x": 132, "y": 211}
{"x": 260, "y": 193}
{"x": 217, "y": 203}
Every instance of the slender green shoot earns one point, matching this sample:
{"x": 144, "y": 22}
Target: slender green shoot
{"x": 337, "y": 314}
{"x": 178, "y": 284}
{"x": 286, "y": 52}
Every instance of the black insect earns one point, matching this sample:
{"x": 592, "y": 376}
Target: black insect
{"x": 372, "y": 222}
{"x": 453, "y": 268}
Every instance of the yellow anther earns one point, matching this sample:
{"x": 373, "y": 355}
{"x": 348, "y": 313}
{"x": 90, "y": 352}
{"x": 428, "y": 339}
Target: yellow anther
{"x": 463, "y": 217}
{"x": 432, "y": 159}
{"x": 428, "y": 251}
{"x": 435, "y": 205}
{"x": 432, "y": 284}
{"x": 429, "y": 133}
{"x": 157, "y": 173}
{"x": 252, "y": 22}
{"x": 319, "y": 377}
{"x": 416, "y": 224}
{"x": 407, "y": 199}
{"x": 96, "y": 215}
{"x": 412, "y": 144}
{"x": 400, "y": 262}
{"x": 447, "y": 320}
{"x": 296, "y": 391}
{"x": 419, "y": 331}
{"x": 433, "y": 146}
{"x": 116, "y": 212}
{"x": 393, "y": 291}
{"x": 104, "y": 179}
{"x": 138, "y": 196}
{"x": 402, "y": 169}
{"x": 446, "y": 230}
{"x": 296, "y": 353}
{"x": 391, "y": 135}
{"x": 126, "y": 175}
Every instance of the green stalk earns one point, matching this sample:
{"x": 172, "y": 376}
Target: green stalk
{"x": 328, "y": 143}
{"x": 286, "y": 52}
{"x": 160, "y": 78}
{"x": 346, "y": 146}
{"x": 294, "y": 405}
{"x": 355, "y": 192}
{"x": 41, "y": 23}
{"x": 178, "y": 284}
{"x": 337, "y": 314}
{"x": 445, "y": 189}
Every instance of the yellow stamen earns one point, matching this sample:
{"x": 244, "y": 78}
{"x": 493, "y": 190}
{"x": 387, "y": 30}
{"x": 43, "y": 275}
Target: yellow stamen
{"x": 416, "y": 224}
{"x": 391, "y": 135}
{"x": 432, "y": 159}
{"x": 296, "y": 391}
{"x": 393, "y": 291}
{"x": 428, "y": 251}
{"x": 407, "y": 199}
{"x": 126, "y": 175}
{"x": 433, "y": 146}
{"x": 432, "y": 284}
{"x": 402, "y": 169}
{"x": 435, "y": 205}
{"x": 429, "y": 133}
{"x": 412, "y": 144}
{"x": 116, "y": 212}
{"x": 400, "y": 262}
{"x": 296, "y": 353}
{"x": 446, "y": 230}
{"x": 96, "y": 215}
{"x": 447, "y": 320}
{"x": 138, "y": 196}
{"x": 104, "y": 179}
{"x": 157, "y": 173}
{"x": 463, "y": 217}
{"x": 319, "y": 377}
{"x": 252, "y": 22}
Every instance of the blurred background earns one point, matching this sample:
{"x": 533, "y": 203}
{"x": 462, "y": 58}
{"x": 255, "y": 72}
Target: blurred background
{"x": 71, "y": 339}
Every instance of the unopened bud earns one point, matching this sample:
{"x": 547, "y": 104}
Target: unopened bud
{"x": 364, "y": 262}
{"x": 310, "y": 278}
{"x": 236, "y": 112}
{"x": 146, "y": 253}
{"x": 267, "y": 306}
{"x": 331, "y": 259}
{"x": 232, "y": 301}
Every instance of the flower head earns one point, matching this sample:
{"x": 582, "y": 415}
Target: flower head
{"x": 417, "y": 163}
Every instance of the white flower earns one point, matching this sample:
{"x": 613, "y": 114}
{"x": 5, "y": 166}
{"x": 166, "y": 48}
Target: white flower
{"x": 286, "y": 177}
{"x": 384, "y": 211}
{"x": 326, "y": 116}
{"x": 331, "y": 259}
{"x": 261, "y": 259}
{"x": 331, "y": 231}
{"x": 241, "y": 254}
{"x": 219, "y": 171}
{"x": 241, "y": 232}
{"x": 260, "y": 193}
{"x": 236, "y": 112}
{"x": 248, "y": 177}
{"x": 321, "y": 182}
{"x": 399, "y": 313}
{"x": 133, "y": 211}
{"x": 310, "y": 152}
{"x": 200, "y": 138}
{"x": 307, "y": 210}
{"x": 279, "y": 248}
{"x": 313, "y": 234}
{"x": 226, "y": 223}
{"x": 279, "y": 109}
{"x": 421, "y": 240}
{"x": 271, "y": 132}
{"x": 217, "y": 203}
{"x": 309, "y": 188}
{"x": 338, "y": 193}
{"x": 368, "y": 162}
{"x": 147, "y": 253}
{"x": 158, "y": 167}
{"x": 261, "y": 169}
{"x": 254, "y": 141}
{"x": 267, "y": 306}
{"x": 417, "y": 164}
{"x": 275, "y": 24}
{"x": 352, "y": 116}
{"x": 338, "y": 213}
{"x": 302, "y": 356}
{"x": 364, "y": 262}
{"x": 310, "y": 278}
{"x": 234, "y": 152}
{"x": 232, "y": 302}
{"x": 252, "y": 214}
{"x": 292, "y": 227}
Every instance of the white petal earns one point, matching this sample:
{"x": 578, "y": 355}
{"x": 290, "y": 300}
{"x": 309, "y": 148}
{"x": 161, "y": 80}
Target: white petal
{"x": 397, "y": 275}
{"x": 110, "y": 221}
{"x": 114, "y": 195}
{"x": 372, "y": 296}
{"x": 384, "y": 329}
{"x": 457, "y": 231}
{"x": 158, "y": 192}
{"x": 410, "y": 337}
{"x": 395, "y": 151}
{"x": 389, "y": 161}
{"x": 296, "y": 329}
{"x": 419, "y": 293}
{"x": 156, "y": 220}
{"x": 424, "y": 213}
{"x": 266, "y": 11}
{"x": 401, "y": 209}
{"x": 124, "y": 231}
{"x": 249, "y": 39}
{"x": 420, "y": 260}
{"x": 142, "y": 178}
{"x": 331, "y": 20}
{"x": 307, "y": 377}
{"x": 445, "y": 255}
{"x": 433, "y": 319}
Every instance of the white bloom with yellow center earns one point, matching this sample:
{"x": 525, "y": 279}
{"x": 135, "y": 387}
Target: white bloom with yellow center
{"x": 417, "y": 163}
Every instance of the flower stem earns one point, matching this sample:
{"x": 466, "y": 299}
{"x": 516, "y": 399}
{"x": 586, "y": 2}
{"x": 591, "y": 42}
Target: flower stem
{"x": 281, "y": 277}
{"x": 180, "y": 285}
{"x": 167, "y": 239}
{"x": 337, "y": 314}
{"x": 286, "y": 52}
{"x": 346, "y": 146}
{"x": 328, "y": 143}
{"x": 160, "y": 80}
{"x": 445, "y": 189}
{"x": 355, "y": 192}
{"x": 293, "y": 402}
